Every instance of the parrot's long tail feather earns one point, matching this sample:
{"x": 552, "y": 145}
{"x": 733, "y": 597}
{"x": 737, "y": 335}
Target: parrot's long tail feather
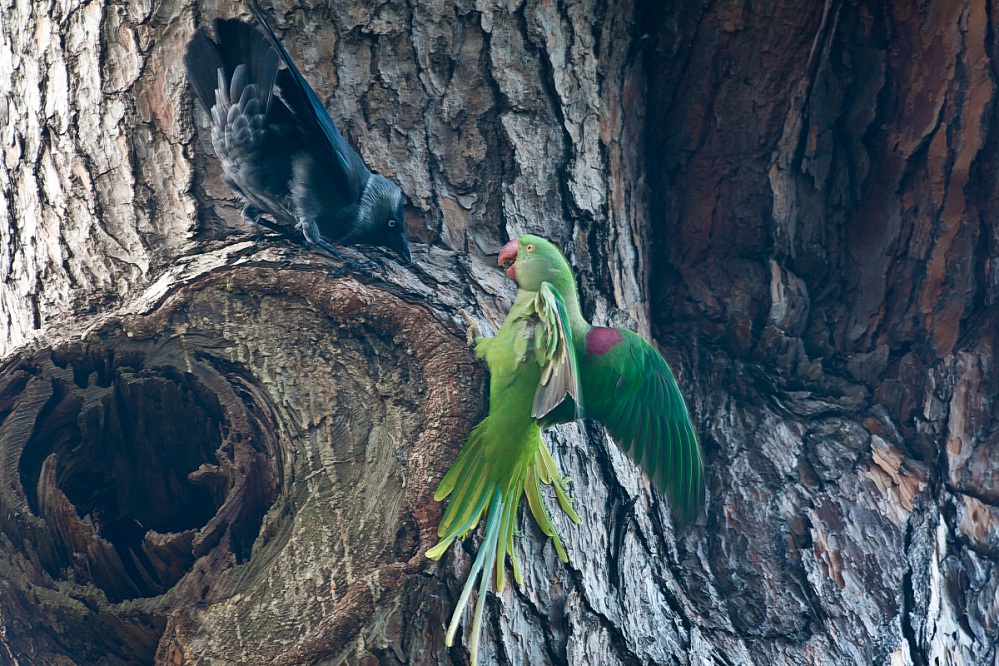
{"x": 472, "y": 484}
{"x": 485, "y": 478}
{"x": 482, "y": 566}
{"x": 544, "y": 471}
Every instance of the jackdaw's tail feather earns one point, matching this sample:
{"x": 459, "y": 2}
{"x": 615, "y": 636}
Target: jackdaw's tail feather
{"x": 238, "y": 43}
{"x": 202, "y": 62}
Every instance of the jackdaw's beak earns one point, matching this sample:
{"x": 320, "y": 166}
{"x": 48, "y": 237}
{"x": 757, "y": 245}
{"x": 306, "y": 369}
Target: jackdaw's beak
{"x": 398, "y": 244}
{"x": 508, "y": 255}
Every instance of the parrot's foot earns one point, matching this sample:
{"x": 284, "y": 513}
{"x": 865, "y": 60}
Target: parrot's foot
{"x": 473, "y": 333}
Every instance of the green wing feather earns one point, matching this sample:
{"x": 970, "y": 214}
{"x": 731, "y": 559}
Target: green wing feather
{"x": 632, "y": 391}
{"x": 556, "y": 355}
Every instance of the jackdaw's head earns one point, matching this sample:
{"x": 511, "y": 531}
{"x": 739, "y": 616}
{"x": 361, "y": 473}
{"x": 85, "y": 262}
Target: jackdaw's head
{"x": 381, "y": 215}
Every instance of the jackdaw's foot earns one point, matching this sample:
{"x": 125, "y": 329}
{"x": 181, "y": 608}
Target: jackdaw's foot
{"x": 359, "y": 266}
{"x": 349, "y": 265}
{"x": 251, "y": 213}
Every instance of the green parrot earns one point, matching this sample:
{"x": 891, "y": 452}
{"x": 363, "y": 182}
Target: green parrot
{"x": 548, "y": 365}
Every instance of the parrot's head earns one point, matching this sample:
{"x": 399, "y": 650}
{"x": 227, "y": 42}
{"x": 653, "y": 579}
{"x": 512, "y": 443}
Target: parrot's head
{"x": 534, "y": 260}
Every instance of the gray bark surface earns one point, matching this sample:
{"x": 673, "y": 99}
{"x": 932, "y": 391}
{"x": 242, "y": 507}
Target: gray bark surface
{"x": 797, "y": 202}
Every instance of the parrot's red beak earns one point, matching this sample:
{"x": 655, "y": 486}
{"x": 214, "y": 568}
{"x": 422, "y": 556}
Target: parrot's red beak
{"x": 508, "y": 255}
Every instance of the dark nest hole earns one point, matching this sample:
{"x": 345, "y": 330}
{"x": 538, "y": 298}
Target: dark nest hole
{"x": 141, "y": 469}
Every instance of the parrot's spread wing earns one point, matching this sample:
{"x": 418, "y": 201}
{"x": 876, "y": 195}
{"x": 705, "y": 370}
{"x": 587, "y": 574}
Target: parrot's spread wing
{"x": 556, "y": 354}
{"x": 632, "y": 391}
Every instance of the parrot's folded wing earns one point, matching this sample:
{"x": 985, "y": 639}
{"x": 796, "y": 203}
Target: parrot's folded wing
{"x": 556, "y": 354}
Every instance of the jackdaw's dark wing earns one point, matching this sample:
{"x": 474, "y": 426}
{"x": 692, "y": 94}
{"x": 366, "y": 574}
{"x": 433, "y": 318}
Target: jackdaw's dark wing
{"x": 280, "y": 150}
{"x": 302, "y": 100}
{"x": 252, "y": 133}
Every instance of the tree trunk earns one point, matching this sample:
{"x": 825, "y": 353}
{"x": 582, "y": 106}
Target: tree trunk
{"x": 212, "y": 454}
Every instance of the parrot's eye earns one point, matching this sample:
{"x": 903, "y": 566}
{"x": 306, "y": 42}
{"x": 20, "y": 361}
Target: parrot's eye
{"x": 391, "y": 224}
{"x": 529, "y": 247}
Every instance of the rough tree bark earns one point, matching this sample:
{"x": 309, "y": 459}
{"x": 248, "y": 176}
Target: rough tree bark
{"x": 795, "y": 199}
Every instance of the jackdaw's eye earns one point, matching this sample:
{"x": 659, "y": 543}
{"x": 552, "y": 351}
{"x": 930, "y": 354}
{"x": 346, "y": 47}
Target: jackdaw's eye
{"x": 391, "y": 224}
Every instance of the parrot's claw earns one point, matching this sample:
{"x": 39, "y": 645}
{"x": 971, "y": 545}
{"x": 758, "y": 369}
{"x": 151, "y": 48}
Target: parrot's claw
{"x": 473, "y": 333}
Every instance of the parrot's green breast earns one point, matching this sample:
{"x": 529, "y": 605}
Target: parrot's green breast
{"x": 508, "y": 351}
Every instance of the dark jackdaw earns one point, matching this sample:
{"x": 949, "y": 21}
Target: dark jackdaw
{"x": 280, "y": 151}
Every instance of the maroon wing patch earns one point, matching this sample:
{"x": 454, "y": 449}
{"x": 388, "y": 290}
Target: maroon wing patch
{"x": 601, "y": 340}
